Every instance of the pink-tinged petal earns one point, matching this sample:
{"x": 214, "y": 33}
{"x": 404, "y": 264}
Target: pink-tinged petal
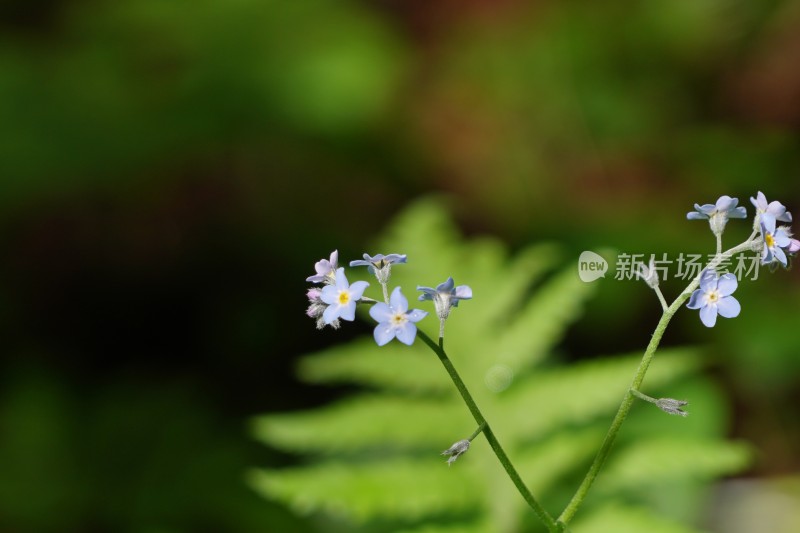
{"x": 406, "y": 333}
{"x": 357, "y": 289}
{"x": 380, "y": 312}
{"x": 794, "y": 246}
{"x": 329, "y": 294}
{"x": 727, "y": 284}
{"x": 728, "y": 307}
{"x": 696, "y": 300}
{"x": 398, "y": 302}
{"x": 708, "y": 315}
{"x": 334, "y": 259}
{"x": 383, "y": 333}
{"x": 348, "y": 311}
{"x": 330, "y": 314}
{"x": 415, "y": 315}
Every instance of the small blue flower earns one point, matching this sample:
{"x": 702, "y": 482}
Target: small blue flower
{"x": 380, "y": 266}
{"x": 714, "y": 297}
{"x": 445, "y": 296}
{"x": 725, "y": 205}
{"x": 774, "y": 241}
{"x": 774, "y": 208}
{"x": 395, "y": 320}
{"x": 341, "y": 298}
{"x": 379, "y": 261}
{"x": 718, "y": 215}
{"x": 326, "y": 269}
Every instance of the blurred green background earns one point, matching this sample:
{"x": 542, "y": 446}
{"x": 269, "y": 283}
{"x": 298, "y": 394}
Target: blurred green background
{"x": 170, "y": 171}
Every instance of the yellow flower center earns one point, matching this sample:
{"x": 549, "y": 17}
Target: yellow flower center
{"x": 712, "y": 297}
{"x": 769, "y": 240}
{"x": 344, "y": 297}
{"x": 398, "y": 319}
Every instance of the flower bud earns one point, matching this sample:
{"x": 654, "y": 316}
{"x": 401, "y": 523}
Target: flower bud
{"x": 456, "y": 450}
{"x": 672, "y": 406}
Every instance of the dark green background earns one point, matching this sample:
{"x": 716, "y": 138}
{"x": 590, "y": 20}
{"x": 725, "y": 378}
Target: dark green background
{"x": 170, "y": 172}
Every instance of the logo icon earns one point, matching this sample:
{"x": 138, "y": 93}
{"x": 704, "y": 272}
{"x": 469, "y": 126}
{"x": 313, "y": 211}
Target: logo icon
{"x": 591, "y": 266}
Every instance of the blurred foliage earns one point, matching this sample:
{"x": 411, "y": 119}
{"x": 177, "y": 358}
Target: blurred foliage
{"x": 168, "y": 168}
{"x": 372, "y": 454}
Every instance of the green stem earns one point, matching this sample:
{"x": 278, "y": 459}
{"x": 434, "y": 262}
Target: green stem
{"x": 543, "y": 515}
{"x": 661, "y": 298}
{"x": 644, "y": 397}
{"x": 477, "y": 432}
{"x": 638, "y": 378}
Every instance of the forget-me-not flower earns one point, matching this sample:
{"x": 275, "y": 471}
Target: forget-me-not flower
{"x": 380, "y": 265}
{"x": 774, "y": 240}
{"x": 774, "y": 208}
{"x": 341, "y": 298}
{"x": 445, "y": 296}
{"x": 714, "y": 297}
{"x": 395, "y": 320}
{"x": 326, "y": 269}
{"x": 718, "y": 214}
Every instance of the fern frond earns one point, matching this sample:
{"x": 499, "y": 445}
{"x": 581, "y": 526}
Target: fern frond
{"x": 368, "y": 422}
{"x": 579, "y": 393}
{"x": 407, "y": 489}
{"x": 664, "y": 460}
{"x": 394, "y": 368}
{"x": 626, "y": 519}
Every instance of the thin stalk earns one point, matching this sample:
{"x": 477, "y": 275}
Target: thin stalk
{"x": 540, "y": 511}
{"x": 638, "y": 378}
{"x": 661, "y": 298}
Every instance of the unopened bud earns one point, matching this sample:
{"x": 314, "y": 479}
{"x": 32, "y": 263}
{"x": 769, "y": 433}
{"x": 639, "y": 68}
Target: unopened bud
{"x": 672, "y": 406}
{"x": 456, "y": 450}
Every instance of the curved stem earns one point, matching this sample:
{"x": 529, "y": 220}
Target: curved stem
{"x": 540, "y": 511}
{"x": 638, "y": 378}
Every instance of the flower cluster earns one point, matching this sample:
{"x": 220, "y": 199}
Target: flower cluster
{"x": 774, "y": 242}
{"x": 336, "y": 300}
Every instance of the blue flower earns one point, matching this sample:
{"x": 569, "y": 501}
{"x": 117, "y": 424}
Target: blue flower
{"x": 395, "y": 320}
{"x": 775, "y": 208}
{"x": 379, "y": 261}
{"x": 445, "y": 296}
{"x": 326, "y": 269}
{"x": 774, "y": 240}
{"x": 725, "y": 205}
{"x": 718, "y": 215}
{"x": 714, "y": 297}
{"x": 380, "y": 265}
{"x": 341, "y": 298}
